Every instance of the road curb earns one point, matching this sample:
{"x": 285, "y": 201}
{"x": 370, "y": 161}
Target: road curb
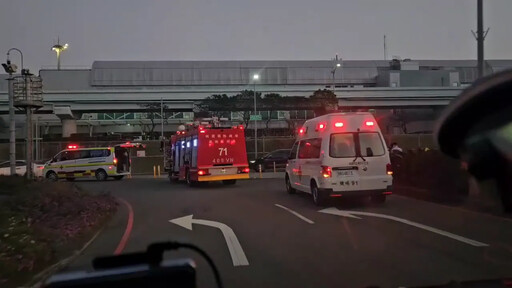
{"x": 44, "y": 275}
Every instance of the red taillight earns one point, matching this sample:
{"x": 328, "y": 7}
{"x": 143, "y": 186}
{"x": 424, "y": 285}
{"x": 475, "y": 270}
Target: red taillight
{"x": 244, "y": 170}
{"x": 387, "y": 193}
{"x": 115, "y": 161}
{"x": 326, "y": 171}
{"x": 389, "y": 169}
{"x": 370, "y": 123}
{"x": 41, "y": 167}
{"x": 202, "y": 172}
{"x": 335, "y": 195}
{"x": 338, "y": 124}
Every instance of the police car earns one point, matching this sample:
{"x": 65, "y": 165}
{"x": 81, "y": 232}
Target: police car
{"x": 339, "y": 155}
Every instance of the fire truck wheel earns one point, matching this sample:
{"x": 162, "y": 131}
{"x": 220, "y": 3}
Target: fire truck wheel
{"x": 228, "y": 182}
{"x": 173, "y": 179}
{"x": 190, "y": 182}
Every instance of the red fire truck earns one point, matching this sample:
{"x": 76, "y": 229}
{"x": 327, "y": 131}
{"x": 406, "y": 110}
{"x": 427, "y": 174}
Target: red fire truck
{"x": 204, "y": 153}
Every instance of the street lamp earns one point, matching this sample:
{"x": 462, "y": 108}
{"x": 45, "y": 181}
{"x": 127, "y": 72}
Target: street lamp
{"x": 58, "y": 49}
{"x": 255, "y": 78}
{"x": 11, "y": 69}
{"x": 336, "y": 65}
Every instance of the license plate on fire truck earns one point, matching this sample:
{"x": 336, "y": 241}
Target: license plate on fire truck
{"x": 223, "y": 171}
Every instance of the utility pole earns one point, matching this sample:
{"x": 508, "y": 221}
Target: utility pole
{"x": 12, "y": 129}
{"x": 28, "y": 96}
{"x": 385, "y": 48}
{"x": 11, "y": 69}
{"x": 30, "y": 138}
{"x": 480, "y": 37}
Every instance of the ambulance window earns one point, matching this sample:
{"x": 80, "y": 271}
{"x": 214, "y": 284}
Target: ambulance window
{"x": 64, "y": 156}
{"x": 293, "y": 152}
{"x": 85, "y": 154}
{"x": 342, "y": 145}
{"x": 74, "y": 155}
{"x": 371, "y": 144}
{"x": 99, "y": 153}
{"x": 310, "y": 148}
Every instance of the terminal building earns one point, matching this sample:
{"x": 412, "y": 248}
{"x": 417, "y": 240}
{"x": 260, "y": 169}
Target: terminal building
{"x": 112, "y": 97}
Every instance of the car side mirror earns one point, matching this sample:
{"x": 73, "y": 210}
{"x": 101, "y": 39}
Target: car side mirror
{"x": 476, "y": 129}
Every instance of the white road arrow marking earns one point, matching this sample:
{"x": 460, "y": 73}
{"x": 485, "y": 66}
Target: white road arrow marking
{"x": 350, "y": 214}
{"x": 235, "y": 249}
{"x": 295, "y": 213}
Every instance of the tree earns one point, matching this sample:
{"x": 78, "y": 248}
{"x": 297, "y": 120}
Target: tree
{"x": 153, "y": 110}
{"x": 324, "y": 101}
{"x": 271, "y": 102}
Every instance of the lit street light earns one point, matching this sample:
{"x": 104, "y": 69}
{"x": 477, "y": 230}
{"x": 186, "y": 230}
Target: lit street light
{"x": 255, "y": 78}
{"x": 58, "y": 49}
{"x": 333, "y": 71}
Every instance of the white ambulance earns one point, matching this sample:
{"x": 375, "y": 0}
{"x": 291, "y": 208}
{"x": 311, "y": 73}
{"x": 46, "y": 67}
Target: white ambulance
{"x": 99, "y": 162}
{"x": 340, "y": 155}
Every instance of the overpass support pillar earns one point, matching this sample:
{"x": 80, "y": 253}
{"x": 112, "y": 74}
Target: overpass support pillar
{"x": 68, "y": 127}
{"x": 67, "y": 118}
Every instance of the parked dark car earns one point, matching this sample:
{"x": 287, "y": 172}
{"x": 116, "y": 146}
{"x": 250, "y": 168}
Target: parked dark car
{"x": 279, "y": 157}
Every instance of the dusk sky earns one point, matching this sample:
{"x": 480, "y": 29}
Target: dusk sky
{"x": 249, "y": 30}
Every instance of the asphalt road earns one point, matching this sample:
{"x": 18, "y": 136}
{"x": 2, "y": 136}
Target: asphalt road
{"x": 285, "y": 250}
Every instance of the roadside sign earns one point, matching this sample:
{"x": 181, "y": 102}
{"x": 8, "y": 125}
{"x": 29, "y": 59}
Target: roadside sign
{"x": 255, "y": 118}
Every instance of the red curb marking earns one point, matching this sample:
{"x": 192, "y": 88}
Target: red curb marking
{"x": 128, "y": 230}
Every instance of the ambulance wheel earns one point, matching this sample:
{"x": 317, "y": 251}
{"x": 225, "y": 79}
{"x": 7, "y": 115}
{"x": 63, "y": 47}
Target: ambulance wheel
{"x": 378, "y": 199}
{"x": 70, "y": 179}
{"x": 229, "y": 182}
{"x": 101, "y": 175}
{"x": 318, "y": 197}
{"x": 52, "y": 176}
{"x": 289, "y": 187}
{"x": 119, "y": 177}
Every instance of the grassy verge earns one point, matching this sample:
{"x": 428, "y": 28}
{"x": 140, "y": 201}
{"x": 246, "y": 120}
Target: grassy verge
{"x": 42, "y": 222}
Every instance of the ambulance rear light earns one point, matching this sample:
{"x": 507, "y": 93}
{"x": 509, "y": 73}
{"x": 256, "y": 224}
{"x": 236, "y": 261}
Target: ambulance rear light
{"x": 302, "y": 131}
{"x": 244, "y": 170}
{"x": 203, "y": 172}
{"x": 389, "y": 169}
{"x": 338, "y": 124}
{"x": 326, "y": 172}
{"x": 72, "y": 146}
{"x": 370, "y": 123}
{"x": 321, "y": 126}
{"x": 115, "y": 161}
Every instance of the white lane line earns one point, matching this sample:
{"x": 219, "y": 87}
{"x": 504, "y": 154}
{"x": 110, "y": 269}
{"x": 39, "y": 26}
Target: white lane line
{"x": 235, "y": 249}
{"x": 350, "y": 214}
{"x": 295, "y": 213}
